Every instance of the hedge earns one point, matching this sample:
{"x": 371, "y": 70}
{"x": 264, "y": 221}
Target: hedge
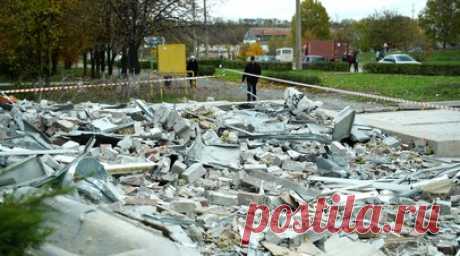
{"x": 241, "y": 64}
{"x": 146, "y": 65}
{"x": 413, "y": 69}
{"x": 206, "y": 70}
{"x": 296, "y": 77}
{"x": 329, "y": 66}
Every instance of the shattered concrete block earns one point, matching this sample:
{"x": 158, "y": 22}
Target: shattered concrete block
{"x": 181, "y": 125}
{"x": 343, "y": 124}
{"x": 172, "y": 119}
{"x": 252, "y": 167}
{"x": 328, "y": 167}
{"x": 67, "y": 125}
{"x": 126, "y": 143}
{"x": 294, "y": 155}
{"x": 71, "y": 145}
{"x": 270, "y": 159}
{"x": 82, "y": 115}
{"x": 155, "y": 132}
{"x": 222, "y": 199}
{"x": 341, "y": 155}
{"x": 205, "y": 124}
{"x": 178, "y": 167}
{"x": 138, "y": 129}
{"x": 298, "y": 102}
{"x": 210, "y": 137}
{"x": 194, "y": 172}
{"x": 359, "y": 135}
{"x": 294, "y": 166}
{"x": 186, "y": 206}
{"x": 246, "y": 198}
{"x": 274, "y": 169}
{"x": 103, "y": 124}
{"x": 392, "y": 142}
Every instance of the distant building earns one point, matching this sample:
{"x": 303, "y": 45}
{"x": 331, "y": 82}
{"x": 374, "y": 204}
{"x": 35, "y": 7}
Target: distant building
{"x": 220, "y": 51}
{"x": 330, "y": 50}
{"x": 264, "y": 22}
{"x": 263, "y": 35}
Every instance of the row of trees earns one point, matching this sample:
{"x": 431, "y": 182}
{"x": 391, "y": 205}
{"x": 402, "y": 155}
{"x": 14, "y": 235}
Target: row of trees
{"x": 36, "y": 35}
{"x": 438, "y": 22}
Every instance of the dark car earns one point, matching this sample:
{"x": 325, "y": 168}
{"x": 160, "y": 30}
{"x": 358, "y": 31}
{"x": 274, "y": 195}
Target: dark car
{"x": 313, "y": 59}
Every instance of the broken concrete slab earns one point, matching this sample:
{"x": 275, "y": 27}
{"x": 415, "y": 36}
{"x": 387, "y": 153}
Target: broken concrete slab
{"x": 194, "y": 172}
{"x": 343, "y": 124}
{"x": 440, "y": 128}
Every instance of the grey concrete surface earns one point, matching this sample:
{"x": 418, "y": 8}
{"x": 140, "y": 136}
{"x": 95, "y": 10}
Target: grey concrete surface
{"x": 439, "y": 128}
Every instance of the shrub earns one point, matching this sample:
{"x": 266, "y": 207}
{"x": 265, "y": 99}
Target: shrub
{"x": 329, "y": 66}
{"x": 22, "y": 223}
{"x": 206, "y": 70}
{"x": 237, "y": 64}
{"x": 296, "y": 77}
{"x": 146, "y": 65}
{"x": 411, "y": 69}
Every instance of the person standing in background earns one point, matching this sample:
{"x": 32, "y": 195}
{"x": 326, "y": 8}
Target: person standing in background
{"x": 355, "y": 61}
{"x": 252, "y": 68}
{"x": 192, "y": 66}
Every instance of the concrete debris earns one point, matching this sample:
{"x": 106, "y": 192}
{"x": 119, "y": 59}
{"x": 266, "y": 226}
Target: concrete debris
{"x": 179, "y": 179}
{"x": 343, "y": 124}
{"x": 194, "y": 172}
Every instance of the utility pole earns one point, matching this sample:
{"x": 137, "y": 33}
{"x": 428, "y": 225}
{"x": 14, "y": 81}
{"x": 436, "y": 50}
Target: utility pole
{"x": 196, "y": 51}
{"x": 298, "y": 49}
{"x": 206, "y": 38}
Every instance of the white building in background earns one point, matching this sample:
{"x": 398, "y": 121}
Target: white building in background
{"x": 220, "y": 51}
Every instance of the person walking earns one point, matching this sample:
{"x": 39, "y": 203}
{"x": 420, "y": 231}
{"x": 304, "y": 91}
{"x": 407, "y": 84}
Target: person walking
{"x": 192, "y": 68}
{"x": 355, "y": 61}
{"x": 252, "y": 68}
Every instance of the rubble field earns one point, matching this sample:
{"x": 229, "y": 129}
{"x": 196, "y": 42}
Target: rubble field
{"x": 178, "y": 179}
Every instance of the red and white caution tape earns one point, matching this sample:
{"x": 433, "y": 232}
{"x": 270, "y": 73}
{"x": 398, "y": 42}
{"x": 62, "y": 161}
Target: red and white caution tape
{"x": 425, "y": 105}
{"x": 77, "y": 86}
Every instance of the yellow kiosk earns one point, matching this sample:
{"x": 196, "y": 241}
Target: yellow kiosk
{"x": 172, "y": 62}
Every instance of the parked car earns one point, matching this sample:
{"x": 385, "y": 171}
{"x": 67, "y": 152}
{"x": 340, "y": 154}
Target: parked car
{"x": 399, "y": 59}
{"x": 313, "y": 59}
{"x": 265, "y": 58}
{"x": 285, "y": 54}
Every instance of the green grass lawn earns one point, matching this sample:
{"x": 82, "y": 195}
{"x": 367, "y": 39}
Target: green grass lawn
{"x": 445, "y": 56}
{"x": 418, "y": 88}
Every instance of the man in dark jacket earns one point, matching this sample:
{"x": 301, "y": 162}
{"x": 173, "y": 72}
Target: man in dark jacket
{"x": 255, "y": 69}
{"x": 192, "y": 66}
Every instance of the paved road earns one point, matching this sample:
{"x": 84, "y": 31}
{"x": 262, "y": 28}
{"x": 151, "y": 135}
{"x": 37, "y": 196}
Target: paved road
{"x": 223, "y": 90}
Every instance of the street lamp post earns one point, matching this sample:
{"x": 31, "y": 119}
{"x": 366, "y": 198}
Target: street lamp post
{"x": 298, "y": 41}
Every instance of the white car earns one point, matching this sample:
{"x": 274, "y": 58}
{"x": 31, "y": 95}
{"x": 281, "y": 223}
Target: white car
{"x": 399, "y": 59}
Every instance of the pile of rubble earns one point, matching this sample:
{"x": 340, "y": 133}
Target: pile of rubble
{"x": 178, "y": 179}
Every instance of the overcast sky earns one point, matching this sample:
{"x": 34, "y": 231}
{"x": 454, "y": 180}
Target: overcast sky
{"x": 337, "y": 9}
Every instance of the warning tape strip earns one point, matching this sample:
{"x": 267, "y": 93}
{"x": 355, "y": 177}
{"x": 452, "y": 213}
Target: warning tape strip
{"x": 77, "y": 86}
{"x": 425, "y": 105}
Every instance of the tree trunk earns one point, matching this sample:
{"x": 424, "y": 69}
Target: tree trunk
{"x": 110, "y": 60}
{"x": 93, "y": 63}
{"x": 103, "y": 63}
{"x": 97, "y": 59}
{"x": 124, "y": 63}
{"x": 54, "y": 62}
{"x": 131, "y": 58}
{"x": 85, "y": 63}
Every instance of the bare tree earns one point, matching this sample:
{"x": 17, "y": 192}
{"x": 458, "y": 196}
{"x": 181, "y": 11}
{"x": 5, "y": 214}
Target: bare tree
{"x": 140, "y": 18}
